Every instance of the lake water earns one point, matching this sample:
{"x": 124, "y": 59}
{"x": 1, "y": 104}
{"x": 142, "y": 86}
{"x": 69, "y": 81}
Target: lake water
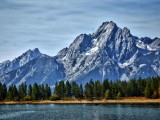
{"x": 80, "y": 112}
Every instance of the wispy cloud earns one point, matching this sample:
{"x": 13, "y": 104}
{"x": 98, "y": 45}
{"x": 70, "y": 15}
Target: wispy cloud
{"x": 53, "y": 24}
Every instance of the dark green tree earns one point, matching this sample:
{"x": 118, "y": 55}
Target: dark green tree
{"x": 123, "y": 88}
{"x": 148, "y": 91}
{"x": 22, "y": 90}
{"x": 10, "y": 95}
{"x": 97, "y": 90}
{"x": 42, "y": 92}
{"x": 140, "y": 86}
{"x": 105, "y": 85}
{"x": 68, "y": 90}
{"x": 81, "y": 91}
{"x": 114, "y": 90}
{"x": 1, "y": 91}
{"x": 35, "y": 92}
{"x": 56, "y": 89}
{"x": 30, "y": 90}
{"x": 61, "y": 89}
{"x": 15, "y": 93}
{"x": 89, "y": 90}
{"x": 47, "y": 92}
{"x": 4, "y": 93}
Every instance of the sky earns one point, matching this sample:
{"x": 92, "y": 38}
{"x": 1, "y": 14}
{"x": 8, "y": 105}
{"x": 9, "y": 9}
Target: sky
{"x": 51, "y": 25}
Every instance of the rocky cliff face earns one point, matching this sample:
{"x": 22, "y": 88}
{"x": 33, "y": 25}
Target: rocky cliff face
{"x": 110, "y": 52}
{"x": 9, "y": 66}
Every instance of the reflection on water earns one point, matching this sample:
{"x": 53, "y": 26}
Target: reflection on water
{"x": 80, "y": 112}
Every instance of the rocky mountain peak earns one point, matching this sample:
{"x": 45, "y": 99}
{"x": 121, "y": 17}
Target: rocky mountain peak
{"x": 106, "y": 27}
{"x": 110, "y": 52}
{"x": 29, "y": 55}
{"x": 126, "y": 31}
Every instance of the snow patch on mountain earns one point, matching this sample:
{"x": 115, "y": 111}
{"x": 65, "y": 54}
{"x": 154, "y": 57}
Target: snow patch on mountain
{"x": 124, "y": 77}
{"x": 142, "y": 65}
{"x": 92, "y": 51}
{"x": 129, "y": 62}
{"x": 141, "y": 45}
{"x": 110, "y": 52}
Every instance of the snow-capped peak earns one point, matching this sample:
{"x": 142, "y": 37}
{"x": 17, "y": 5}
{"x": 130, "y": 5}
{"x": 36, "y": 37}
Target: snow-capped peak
{"x": 110, "y": 52}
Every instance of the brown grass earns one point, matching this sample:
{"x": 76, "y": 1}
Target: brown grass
{"x": 133, "y": 100}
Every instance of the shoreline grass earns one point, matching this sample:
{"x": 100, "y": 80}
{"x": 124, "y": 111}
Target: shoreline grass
{"x": 131, "y": 100}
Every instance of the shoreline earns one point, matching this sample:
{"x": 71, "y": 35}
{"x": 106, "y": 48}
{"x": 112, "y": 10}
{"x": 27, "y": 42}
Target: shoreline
{"x": 115, "y": 101}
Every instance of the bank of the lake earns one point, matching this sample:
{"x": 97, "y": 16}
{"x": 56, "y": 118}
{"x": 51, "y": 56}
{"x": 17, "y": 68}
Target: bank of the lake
{"x": 76, "y": 101}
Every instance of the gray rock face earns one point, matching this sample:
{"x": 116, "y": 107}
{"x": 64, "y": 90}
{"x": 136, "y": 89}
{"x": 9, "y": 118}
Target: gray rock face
{"x": 43, "y": 70}
{"x": 9, "y": 66}
{"x": 110, "y": 52}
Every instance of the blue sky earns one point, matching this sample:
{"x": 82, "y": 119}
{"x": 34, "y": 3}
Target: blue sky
{"x": 51, "y": 25}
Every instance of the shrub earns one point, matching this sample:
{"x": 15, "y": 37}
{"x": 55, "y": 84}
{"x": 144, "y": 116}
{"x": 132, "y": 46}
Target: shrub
{"x": 16, "y": 98}
{"x": 27, "y": 98}
{"x": 54, "y": 97}
{"x": 106, "y": 94}
{"x": 118, "y": 95}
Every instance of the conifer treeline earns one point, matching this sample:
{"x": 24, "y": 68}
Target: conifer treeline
{"x": 35, "y": 92}
{"x": 149, "y": 87}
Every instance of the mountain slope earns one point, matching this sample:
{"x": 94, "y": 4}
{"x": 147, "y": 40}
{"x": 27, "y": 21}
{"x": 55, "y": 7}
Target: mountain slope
{"x": 9, "y": 66}
{"x": 110, "y": 52}
{"x": 43, "y": 70}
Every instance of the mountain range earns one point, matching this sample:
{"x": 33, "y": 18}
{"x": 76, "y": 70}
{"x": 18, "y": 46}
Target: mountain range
{"x": 110, "y": 52}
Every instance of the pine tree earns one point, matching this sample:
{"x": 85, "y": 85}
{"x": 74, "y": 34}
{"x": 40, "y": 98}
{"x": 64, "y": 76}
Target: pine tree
{"x": 10, "y": 95}
{"x": 56, "y": 90}
{"x": 1, "y": 91}
{"x": 110, "y": 89}
{"x": 123, "y": 88}
{"x": 47, "y": 92}
{"x": 105, "y": 85}
{"x": 61, "y": 89}
{"x": 86, "y": 91}
{"x": 114, "y": 89}
{"x": 97, "y": 90}
{"x": 81, "y": 91}
{"x": 68, "y": 90}
{"x": 42, "y": 91}
{"x": 22, "y": 90}
{"x": 73, "y": 92}
{"x": 77, "y": 91}
{"x": 140, "y": 87}
{"x": 4, "y": 93}
{"x": 35, "y": 92}
{"x": 30, "y": 90}
{"x": 15, "y": 93}
{"x": 89, "y": 90}
{"x": 147, "y": 91}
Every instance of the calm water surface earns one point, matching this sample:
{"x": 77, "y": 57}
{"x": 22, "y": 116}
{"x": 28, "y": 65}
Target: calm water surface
{"x": 80, "y": 112}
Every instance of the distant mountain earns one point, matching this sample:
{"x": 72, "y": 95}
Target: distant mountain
{"x": 9, "y": 66}
{"x": 110, "y": 52}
